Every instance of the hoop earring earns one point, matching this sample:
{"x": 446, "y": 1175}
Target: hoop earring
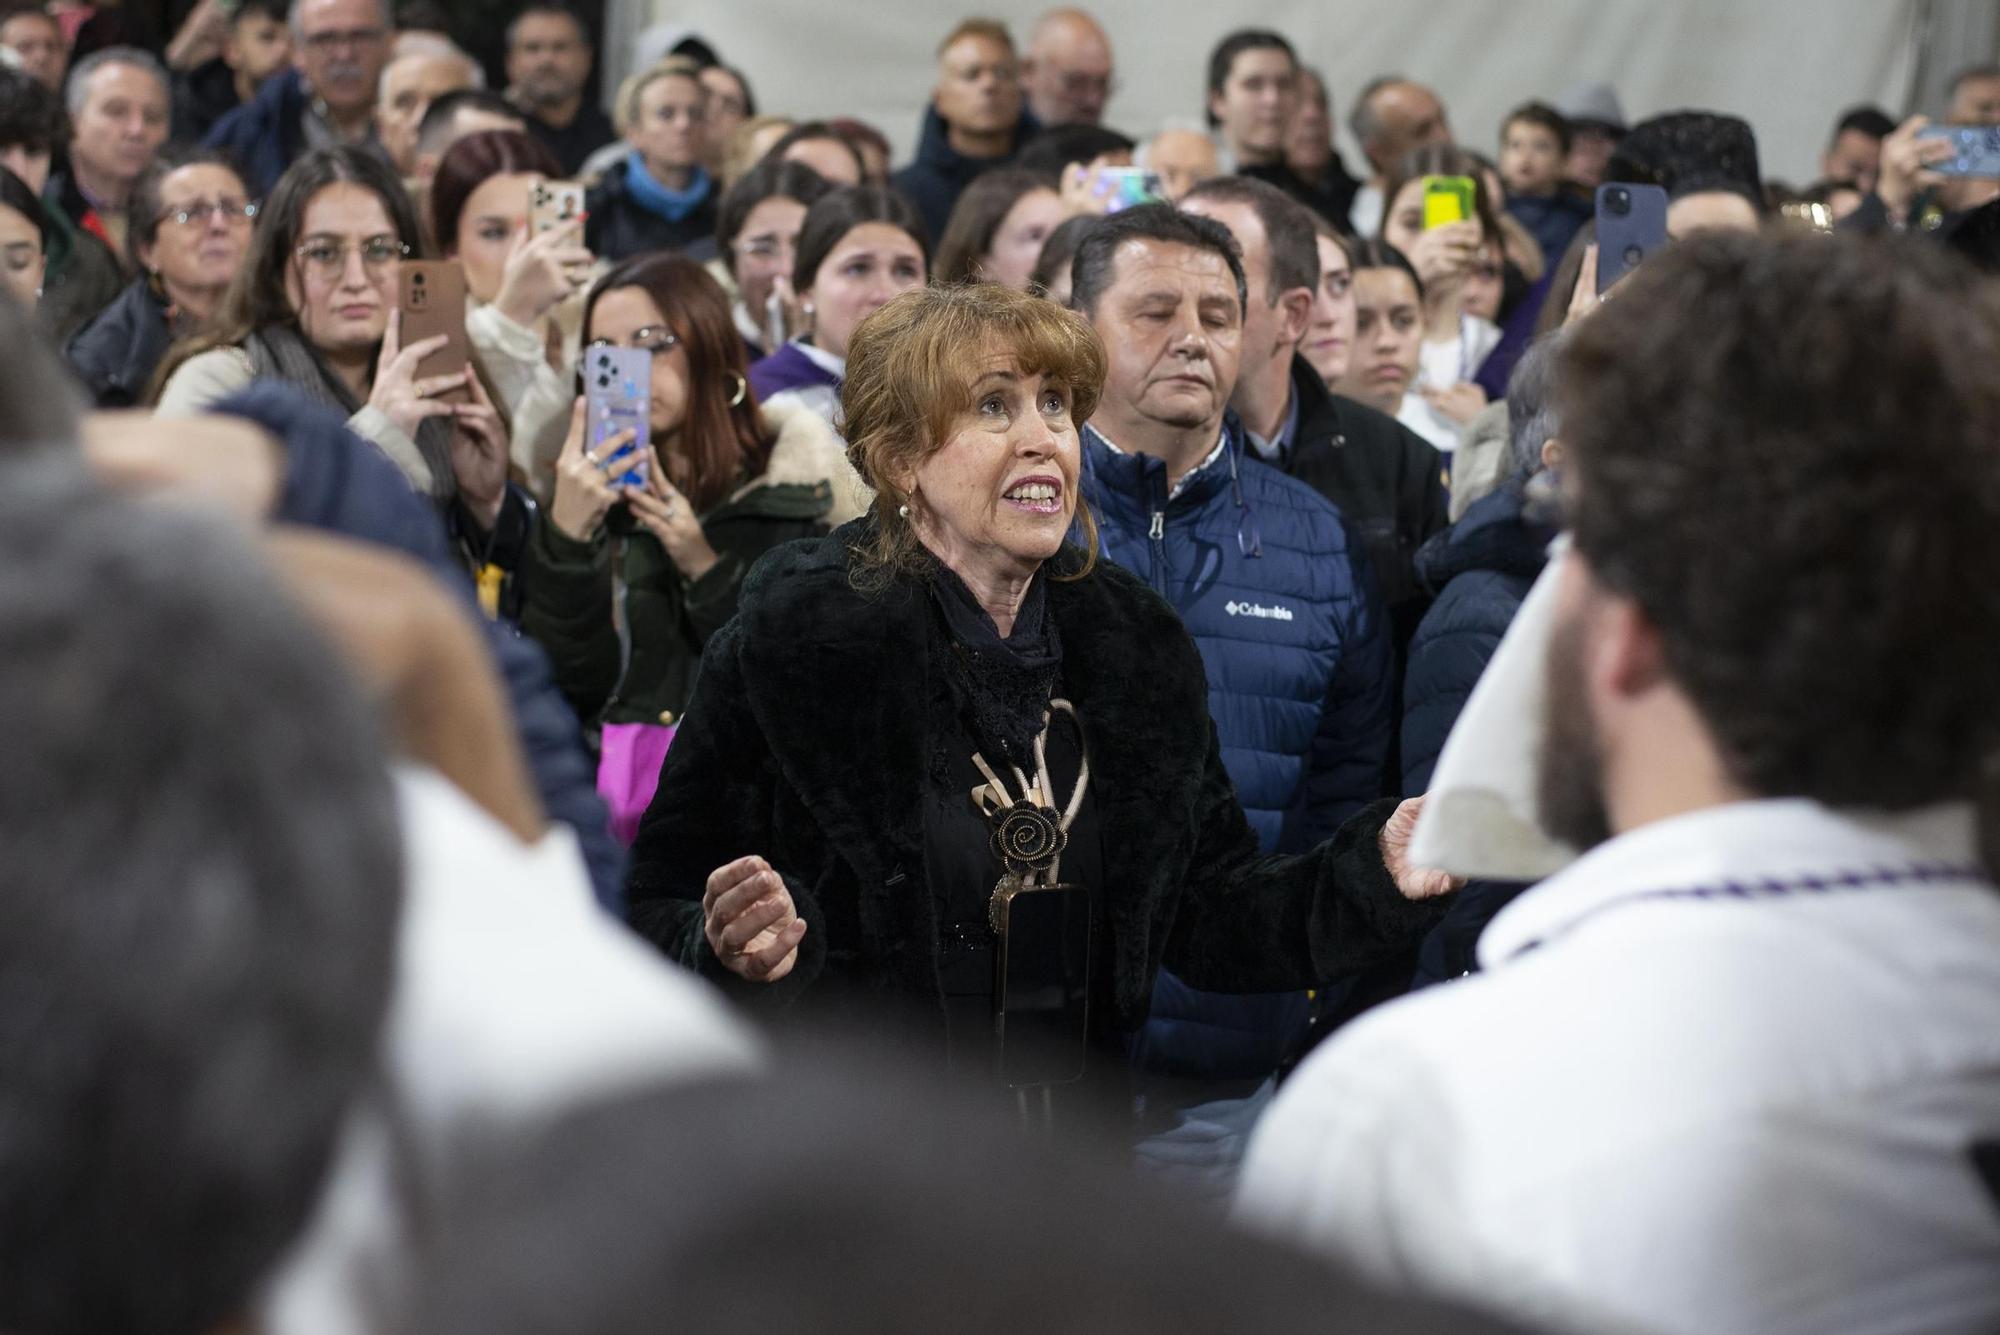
{"x": 742, "y": 389}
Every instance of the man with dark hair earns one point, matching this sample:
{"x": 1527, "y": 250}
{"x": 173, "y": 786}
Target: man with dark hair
{"x": 548, "y": 77}
{"x": 1253, "y": 93}
{"x": 258, "y": 45}
{"x": 1391, "y": 116}
{"x": 1385, "y": 479}
{"x": 454, "y": 115}
{"x": 1260, "y": 567}
{"x": 37, "y": 41}
{"x": 194, "y": 1004}
{"x": 1725, "y": 1072}
{"x": 1053, "y": 152}
{"x": 975, "y": 121}
{"x": 326, "y": 98}
{"x": 1854, "y": 154}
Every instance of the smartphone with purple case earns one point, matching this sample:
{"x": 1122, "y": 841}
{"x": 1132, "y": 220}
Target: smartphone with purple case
{"x": 618, "y": 394}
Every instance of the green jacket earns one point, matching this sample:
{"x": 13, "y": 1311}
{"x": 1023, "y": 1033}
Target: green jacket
{"x": 645, "y": 676}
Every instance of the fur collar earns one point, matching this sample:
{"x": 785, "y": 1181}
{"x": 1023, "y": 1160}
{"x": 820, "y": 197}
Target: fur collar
{"x": 807, "y": 452}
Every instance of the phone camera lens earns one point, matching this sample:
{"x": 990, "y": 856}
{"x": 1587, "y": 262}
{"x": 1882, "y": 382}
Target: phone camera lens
{"x": 417, "y": 279}
{"x": 1619, "y": 202}
{"x": 603, "y": 381}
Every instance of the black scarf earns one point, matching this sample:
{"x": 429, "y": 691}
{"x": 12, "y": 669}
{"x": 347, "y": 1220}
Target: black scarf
{"x": 278, "y": 352}
{"x": 1000, "y": 686}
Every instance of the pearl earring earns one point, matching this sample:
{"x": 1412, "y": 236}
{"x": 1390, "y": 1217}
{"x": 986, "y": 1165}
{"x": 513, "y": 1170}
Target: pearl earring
{"x": 902, "y": 512}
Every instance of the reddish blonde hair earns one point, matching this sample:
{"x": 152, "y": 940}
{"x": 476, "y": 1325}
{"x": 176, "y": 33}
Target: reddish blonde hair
{"x": 910, "y": 369}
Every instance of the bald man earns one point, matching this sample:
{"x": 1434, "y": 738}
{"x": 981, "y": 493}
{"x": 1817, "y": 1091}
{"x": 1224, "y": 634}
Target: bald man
{"x": 1067, "y": 71}
{"x": 1392, "y": 116}
{"x": 410, "y": 83}
{"x": 1183, "y": 158}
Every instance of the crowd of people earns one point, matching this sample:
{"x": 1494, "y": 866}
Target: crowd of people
{"x": 1135, "y": 729}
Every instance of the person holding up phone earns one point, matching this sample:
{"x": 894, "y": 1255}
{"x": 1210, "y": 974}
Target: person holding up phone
{"x": 316, "y": 307}
{"x": 516, "y": 279}
{"x": 724, "y": 481}
{"x": 1445, "y": 251}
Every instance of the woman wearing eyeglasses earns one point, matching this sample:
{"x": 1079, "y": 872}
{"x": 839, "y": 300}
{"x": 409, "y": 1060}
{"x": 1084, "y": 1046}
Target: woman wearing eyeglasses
{"x": 190, "y": 227}
{"x": 726, "y": 481}
{"x": 757, "y": 233}
{"x": 315, "y": 305}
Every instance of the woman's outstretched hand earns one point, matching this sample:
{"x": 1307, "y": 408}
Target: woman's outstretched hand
{"x": 750, "y": 921}
{"x": 1414, "y": 882}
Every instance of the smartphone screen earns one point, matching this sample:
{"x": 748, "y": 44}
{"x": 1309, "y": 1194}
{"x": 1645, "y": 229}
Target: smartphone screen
{"x": 1447, "y": 199}
{"x": 1975, "y": 149}
{"x": 1123, "y": 187}
{"x": 1631, "y": 224}
{"x": 618, "y": 395}
{"x": 431, "y": 295}
{"x": 553, "y": 203}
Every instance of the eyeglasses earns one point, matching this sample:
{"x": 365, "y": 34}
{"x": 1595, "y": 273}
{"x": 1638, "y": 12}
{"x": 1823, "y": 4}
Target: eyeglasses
{"x": 1080, "y": 85}
{"x": 327, "y": 260}
{"x": 319, "y": 43}
{"x": 767, "y": 248}
{"x": 198, "y": 213}
{"x": 656, "y": 339}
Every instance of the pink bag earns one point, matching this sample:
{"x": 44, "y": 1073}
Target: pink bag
{"x": 628, "y": 772}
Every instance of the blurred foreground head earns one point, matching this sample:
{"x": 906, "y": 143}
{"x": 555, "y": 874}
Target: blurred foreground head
{"x": 1781, "y": 458}
{"x": 197, "y": 910}
{"x": 842, "y": 1196}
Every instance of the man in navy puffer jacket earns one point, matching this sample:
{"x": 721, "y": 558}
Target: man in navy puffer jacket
{"x": 1260, "y": 566}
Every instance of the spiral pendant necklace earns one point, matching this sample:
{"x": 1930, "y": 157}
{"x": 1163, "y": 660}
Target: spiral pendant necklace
{"x": 1029, "y": 831}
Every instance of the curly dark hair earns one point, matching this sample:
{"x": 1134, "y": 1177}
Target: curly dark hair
{"x": 1786, "y": 451}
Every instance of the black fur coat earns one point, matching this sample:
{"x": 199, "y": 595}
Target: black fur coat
{"x": 805, "y": 742}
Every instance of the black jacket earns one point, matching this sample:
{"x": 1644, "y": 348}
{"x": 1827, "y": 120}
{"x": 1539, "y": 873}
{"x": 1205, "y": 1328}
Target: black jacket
{"x": 202, "y": 97}
{"x": 266, "y": 134}
{"x": 805, "y": 742}
{"x": 574, "y": 143}
{"x": 1480, "y": 570}
{"x": 940, "y": 173}
{"x": 1331, "y": 196}
{"x": 619, "y": 226}
{"x": 116, "y": 354}
{"x": 1387, "y": 481}
{"x": 84, "y": 273}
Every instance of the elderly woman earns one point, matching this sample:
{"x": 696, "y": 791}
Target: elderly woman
{"x": 916, "y": 723}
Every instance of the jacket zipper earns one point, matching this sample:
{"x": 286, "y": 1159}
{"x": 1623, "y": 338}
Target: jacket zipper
{"x": 1157, "y": 535}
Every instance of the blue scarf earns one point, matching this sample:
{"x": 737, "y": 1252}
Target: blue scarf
{"x": 673, "y": 205}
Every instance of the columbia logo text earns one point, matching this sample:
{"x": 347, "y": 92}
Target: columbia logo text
{"x": 1258, "y": 610}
